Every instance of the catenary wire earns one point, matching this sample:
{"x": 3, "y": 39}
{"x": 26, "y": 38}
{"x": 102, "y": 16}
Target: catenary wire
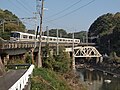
{"x": 24, "y": 6}
{"x": 18, "y": 7}
{"x": 72, "y": 11}
{"x": 65, "y": 9}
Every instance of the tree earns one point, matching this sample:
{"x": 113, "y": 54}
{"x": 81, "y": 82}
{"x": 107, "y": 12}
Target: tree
{"x": 53, "y": 32}
{"x": 10, "y": 22}
{"x": 107, "y": 27}
{"x": 59, "y": 63}
{"x": 115, "y": 40}
{"x": 62, "y": 61}
{"x": 48, "y": 59}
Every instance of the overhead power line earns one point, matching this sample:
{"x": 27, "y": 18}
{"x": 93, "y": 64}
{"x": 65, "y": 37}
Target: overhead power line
{"x": 72, "y": 11}
{"x": 24, "y": 6}
{"x": 65, "y": 9}
{"x": 19, "y": 7}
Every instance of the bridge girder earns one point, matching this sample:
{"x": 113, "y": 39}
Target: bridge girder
{"x": 86, "y": 51}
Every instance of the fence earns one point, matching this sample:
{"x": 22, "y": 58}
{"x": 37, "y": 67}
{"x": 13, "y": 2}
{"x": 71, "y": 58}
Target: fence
{"x": 20, "y": 84}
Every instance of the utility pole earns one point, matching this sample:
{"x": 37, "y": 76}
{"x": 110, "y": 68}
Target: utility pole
{"x": 35, "y": 27}
{"x": 57, "y": 44}
{"x": 39, "y": 64}
{"x": 73, "y": 57}
{"x": 47, "y": 34}
{"x": 86, "y": 37}
{"x": 3, "y": 26}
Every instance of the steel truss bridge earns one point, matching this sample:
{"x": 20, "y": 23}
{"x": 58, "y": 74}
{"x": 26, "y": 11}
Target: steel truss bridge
{"x": 84, "y": 51}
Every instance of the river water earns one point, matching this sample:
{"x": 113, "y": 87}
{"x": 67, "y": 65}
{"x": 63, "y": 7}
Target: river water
{"x": 95, "y": 80}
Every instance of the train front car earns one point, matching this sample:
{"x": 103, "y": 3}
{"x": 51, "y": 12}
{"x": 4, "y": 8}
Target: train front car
{"x": 21, "y": 36}
{"x": 14, "y": 36}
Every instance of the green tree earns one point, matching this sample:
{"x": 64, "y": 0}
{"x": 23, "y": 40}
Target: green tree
{"x": 53, "y": 32}
{"x": 59, "y": 63}
{"x": 28, "y": 58}
{"x": 48, "y": 59}
{"x": 107, "y": 27}
{"x": 63, "y": 61}
{"x": 10, "y": 22}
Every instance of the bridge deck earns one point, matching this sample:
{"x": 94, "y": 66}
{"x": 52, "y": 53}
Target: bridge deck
{"x": 7, "y": 80}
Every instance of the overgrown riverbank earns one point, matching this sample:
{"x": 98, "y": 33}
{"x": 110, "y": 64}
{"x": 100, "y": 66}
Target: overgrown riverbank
{"x": 45, "y": 79}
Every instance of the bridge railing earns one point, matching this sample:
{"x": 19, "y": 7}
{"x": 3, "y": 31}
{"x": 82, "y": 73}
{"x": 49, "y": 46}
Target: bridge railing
{"x": 11, "y": 45}
{"x": 20, "y": 84}
{"x": 25, "y": 44}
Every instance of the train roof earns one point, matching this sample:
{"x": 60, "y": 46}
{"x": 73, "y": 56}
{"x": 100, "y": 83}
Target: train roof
{"x": 21, "y": 33}
{"x": 38, "y": 35}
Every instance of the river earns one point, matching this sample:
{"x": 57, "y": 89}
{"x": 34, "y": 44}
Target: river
{"x": 96, "y": 80}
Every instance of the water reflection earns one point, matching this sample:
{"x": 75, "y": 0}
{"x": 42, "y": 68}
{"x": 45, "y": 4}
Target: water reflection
{"x": 95, "y": 80}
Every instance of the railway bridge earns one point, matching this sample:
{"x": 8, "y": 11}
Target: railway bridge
{"x": 19, "y": 48}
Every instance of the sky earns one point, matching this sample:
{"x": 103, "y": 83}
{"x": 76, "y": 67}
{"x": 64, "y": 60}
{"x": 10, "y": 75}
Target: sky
{"x": 70, "y": 15}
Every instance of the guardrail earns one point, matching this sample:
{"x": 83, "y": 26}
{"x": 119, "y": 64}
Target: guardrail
{"x": 20, "y": 84}
{"x": 18, "y": 66}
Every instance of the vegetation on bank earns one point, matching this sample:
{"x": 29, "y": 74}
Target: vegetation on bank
{"x": 45, "y": 79}
{"x": 56, "y": 73}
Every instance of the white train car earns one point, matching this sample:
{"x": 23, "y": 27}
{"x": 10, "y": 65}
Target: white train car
{"x": 20, "y": 36}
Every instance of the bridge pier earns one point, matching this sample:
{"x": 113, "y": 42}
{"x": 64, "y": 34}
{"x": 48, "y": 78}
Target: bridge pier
{"x": 32, "y": 54}
{"x": 99, "y": 59}
{"x": 73, "y": 61}
{"x": 6, "y": 59}
{"x": 2, "y": 68}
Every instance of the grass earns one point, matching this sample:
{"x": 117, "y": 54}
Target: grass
{"x": 44, "y": 79}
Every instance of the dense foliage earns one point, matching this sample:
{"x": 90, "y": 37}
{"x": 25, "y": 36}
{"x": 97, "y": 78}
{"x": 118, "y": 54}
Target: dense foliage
{"x": 9, "y": 22}
{"x": 107, "y": 29}
{"x": 59, "y": 63}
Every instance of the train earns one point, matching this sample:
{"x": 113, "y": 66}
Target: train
{"x": 21, "y": 36}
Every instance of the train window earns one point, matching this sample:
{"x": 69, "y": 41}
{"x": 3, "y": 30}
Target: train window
{"x": 24, "y": 36}
{"x": 54, "y": 39}
{"x": 30, "y": 37}
{"x": 15, "y": 35}
{"x": 43, "y": 38}
{"x": 50, "y": 39}
{"x": 60, "y": 39}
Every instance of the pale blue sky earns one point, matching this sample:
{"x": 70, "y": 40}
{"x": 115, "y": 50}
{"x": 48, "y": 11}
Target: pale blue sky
{"x": 77, "y": 15}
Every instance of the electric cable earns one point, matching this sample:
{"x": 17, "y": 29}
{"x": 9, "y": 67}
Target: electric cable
{"x": 23, "y": 6}
{"x": 18, "y": 7}
{"x": 72, "y": 11}
{"x": 65, "y": 9}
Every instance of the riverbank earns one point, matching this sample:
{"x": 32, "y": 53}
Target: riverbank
{"x": 44, "y": 79}
{"x": 113, "y": 70}
{"x": 107, "y": 72}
